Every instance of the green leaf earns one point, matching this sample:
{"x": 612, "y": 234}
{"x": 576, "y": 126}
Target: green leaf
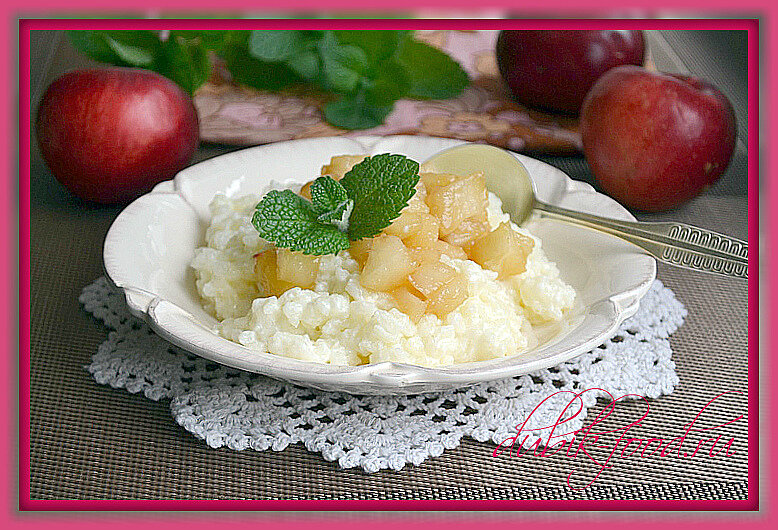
{"x": 93, "y": 45}
{"x": 187, "y": 62}
{"x": 289, "y": 221}
{"x": 342, "y": 65}
{"x": 391, "y": 84}
{"x": 432, "y": 73}
{"x": 276, "y": 45}
{"x": 212, "y": 40}
{"x": 306, "y": 64}
{"x": 380, "y": 187}
{"x": 120, "y": 48}
{"x": 327, "y": 194}
{"x": 338, "y": 216}
{"x": 354, "y": 112}
{"x": 252, "y": 72}
{"x": 378, "y": 45}
{"x": 139, "y": 56}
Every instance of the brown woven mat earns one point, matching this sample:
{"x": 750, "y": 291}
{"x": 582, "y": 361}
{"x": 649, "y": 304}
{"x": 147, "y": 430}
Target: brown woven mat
{"x": 95, "y": 442}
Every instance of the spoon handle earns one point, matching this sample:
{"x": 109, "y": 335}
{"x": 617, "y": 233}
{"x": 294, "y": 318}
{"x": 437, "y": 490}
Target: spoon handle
{"x": 679, "y": 244}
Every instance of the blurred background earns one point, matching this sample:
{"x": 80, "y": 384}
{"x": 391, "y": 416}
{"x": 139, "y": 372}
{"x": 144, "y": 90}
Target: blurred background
{"x": 717, "y": 56}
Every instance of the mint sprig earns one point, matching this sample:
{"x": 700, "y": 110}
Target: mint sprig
{"x": 381, "y": 187}
{"x": 363, "y": 73}
{"x": 290, "y": 221}
{"x": 364, "y": 202}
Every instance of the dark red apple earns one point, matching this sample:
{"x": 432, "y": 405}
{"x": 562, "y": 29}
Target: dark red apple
{"x": 111, "y": 134}
{"x": 653, "y": 140}
{"x": 554, "y": 69}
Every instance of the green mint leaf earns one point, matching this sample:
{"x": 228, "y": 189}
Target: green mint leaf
{"x": 187, "y": 62}
{"x": 120, "y": 48}
{"x": 212, "y": 40}
{"x": 276, "y": 45}
{"x": 342, "y": 65}
{"x": 432, "y": 73}
{"x": 356, "y": 112}
{"x": 380, "y": 187}
{"x": 391, "y": 84}
{"x": 250, "y": 71}
{"x": 327, "y": 194}
{"x": 339, "y": 216}
{"x": 378, "y": 45}
{"x": 306, "y": 64}
{"x": 143, "y": 55}
{"x": 93, "y": 45}
{"x": 289, "y": 221}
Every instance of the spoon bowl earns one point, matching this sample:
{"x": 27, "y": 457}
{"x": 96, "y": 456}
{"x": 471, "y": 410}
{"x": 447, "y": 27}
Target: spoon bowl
{"x": 505, "y": 175}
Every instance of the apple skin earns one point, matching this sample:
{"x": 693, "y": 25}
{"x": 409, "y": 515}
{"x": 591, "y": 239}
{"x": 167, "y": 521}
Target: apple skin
{"x": 654, "y": 140}
{"x": 110, "y": 134}
{"x": 554, "y": 69}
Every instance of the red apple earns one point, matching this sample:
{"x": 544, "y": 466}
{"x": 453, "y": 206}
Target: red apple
{"x": 554, "y": 69}
{"x": 653, "y": 140}
{"x": 110, "y": 134}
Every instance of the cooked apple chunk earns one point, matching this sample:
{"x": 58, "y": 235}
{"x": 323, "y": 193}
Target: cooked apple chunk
{"x": 468, "y": 231}
{"x": 297, "y": 268}
{"x": 388, "y": 264}
{"x": 447, "y": 297}
{"x": 424, "y": 255}
{"x": 409, "y": 303}
{"x": 266, "y": 272}
{"x": 425, "y": 234}
{"x": 431, "y": 276}
{"x": 450, "y": 250}
{"x": 436, "y": 180}
{"x": 359, "y": 249}
{"x": 417, "y": 202}
{"x": 407, "y": 224}
{"x": 503, "y": 250}
{"x": 305, "y": 191}
{"x": 340, "y": 165}
{"x": 452, "y": 203}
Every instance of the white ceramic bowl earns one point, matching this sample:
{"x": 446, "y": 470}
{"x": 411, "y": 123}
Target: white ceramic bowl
{"x": 150, "y": 245}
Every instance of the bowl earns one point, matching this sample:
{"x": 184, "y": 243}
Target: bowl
{"x": 151, "y": 243}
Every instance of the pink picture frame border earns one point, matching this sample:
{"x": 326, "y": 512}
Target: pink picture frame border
{"x": 21, "y": 511}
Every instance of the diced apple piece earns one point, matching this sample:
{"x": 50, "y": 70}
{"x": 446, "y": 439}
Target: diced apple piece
{"x": 340, "y": 165}
{"x": 426, "y": 234}
{"x": 457, "y": 201}
{"x": 359, "y": 249}
{"x": 425, "y": 255}
{"x": 266, "y": 271}
{"x": 407, "y": 224}
{"x": 431, "y": 276}
{"x": 388, "y": 264}
{"x": 468, "y": 230}
{"x": 448, "y": 297}
{"x": 421, "y": 191}
{"x": 305, "y": 191}
{"x": 409, "y": 303}
{"x": 416, "y": 204}
{"x": 503, "y": 250}
{"x": 297, "y": 268}
{"x": 436, "y": 180}
{"x": 450, "y": 250}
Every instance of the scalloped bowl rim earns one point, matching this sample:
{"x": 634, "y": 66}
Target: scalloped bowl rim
{"x": 181, "y": 328}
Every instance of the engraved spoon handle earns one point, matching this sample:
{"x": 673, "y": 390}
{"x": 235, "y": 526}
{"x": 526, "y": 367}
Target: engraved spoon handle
{"x": 679, "y": 244}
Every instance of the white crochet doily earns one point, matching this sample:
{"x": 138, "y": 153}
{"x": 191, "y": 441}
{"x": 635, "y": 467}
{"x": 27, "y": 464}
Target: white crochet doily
{"x": 241, "y": 410}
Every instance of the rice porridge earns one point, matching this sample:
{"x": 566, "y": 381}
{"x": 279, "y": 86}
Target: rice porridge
{"x": 451, "y": 280}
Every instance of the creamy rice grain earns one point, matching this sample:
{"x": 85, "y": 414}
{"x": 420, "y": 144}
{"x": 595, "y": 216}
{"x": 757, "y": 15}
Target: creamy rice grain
{"x": 340, "y": 322}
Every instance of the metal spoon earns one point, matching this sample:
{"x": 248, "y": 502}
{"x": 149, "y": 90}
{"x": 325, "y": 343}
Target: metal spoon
{"x": 678, "y": 244}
